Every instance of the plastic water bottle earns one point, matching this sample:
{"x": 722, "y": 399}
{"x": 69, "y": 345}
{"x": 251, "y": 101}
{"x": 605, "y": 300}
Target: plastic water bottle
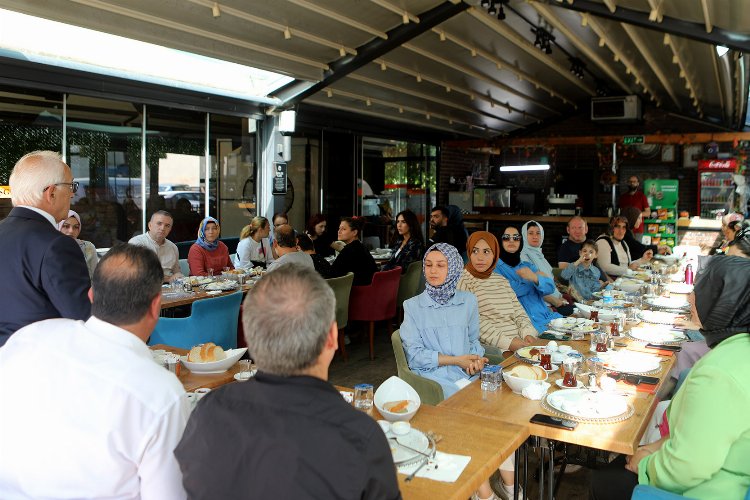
{"x": 689, "y": 274}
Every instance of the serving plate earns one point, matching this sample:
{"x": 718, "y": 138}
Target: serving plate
{"x": 656, "y": 335}
{"x": 233, "y": 355}
{"x": 573, "y": 325}
{"x": 409, "y": 448}
{"x": 680, "y": 288}
{"x": 220, "y": 286}
{"x": 659, "y": 317}
{"x": 584, "y": 405}
{"x": 669, "y": 303}
{"x": 630, "y": 362}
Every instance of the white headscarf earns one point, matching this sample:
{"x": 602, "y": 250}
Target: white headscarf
{"x": 533, "y": 254}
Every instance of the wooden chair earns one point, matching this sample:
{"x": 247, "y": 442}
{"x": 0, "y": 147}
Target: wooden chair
{"x": 376, "y": 302}
{"x": 341, "y": 289}
{"x": 211, "y": 320}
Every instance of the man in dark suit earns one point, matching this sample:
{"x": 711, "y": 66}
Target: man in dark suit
{"x": 44, "y": 271}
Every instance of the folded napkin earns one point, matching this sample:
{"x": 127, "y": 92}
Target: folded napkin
{"x": 444, "y": 467}
{"x": 535, "y": 391}
{"x": 649, "y": 350}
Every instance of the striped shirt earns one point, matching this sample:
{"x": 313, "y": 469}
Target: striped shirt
{"x": 501, "y": 316}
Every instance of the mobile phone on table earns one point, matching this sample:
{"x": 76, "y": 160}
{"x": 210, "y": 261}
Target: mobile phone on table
{"x": 642, "y": 379}
{"x": 551, "y": 421}
{"x": 662, "y": 347}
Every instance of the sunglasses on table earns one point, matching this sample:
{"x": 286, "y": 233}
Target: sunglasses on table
{"x": 634, "y": 379}
{"x": 508, "y": 237}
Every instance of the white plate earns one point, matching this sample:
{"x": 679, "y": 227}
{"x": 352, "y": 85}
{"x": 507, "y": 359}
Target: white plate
{"x": 553, "y": 370}
{"x": 629, "y": 361}
{"x": 220, "y": 286}
{"x": 668, "y": 303}
{"x": 415, "y": 439}
{"x": 659, "y": 317}
{"x": 244, "y": 376}
{"x": 656, "y": 334}
{"x": 559, "y": 383}
{"x": 233, "y": 355}
{"x": 586, "y": 404}
{"x": 572, "y": 325}
{"x": 680, "y": 288}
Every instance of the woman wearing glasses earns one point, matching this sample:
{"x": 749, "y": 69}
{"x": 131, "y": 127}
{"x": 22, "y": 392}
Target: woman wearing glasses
{"x": 529, "y": 284}
{"x": 614, "y": 256}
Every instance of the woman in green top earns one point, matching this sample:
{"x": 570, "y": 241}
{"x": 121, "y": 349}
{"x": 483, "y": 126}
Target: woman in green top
{"x": 707, "y": 452}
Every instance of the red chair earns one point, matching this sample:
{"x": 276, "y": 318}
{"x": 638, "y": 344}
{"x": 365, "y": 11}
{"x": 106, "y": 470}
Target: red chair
{"x": 376, "y": 302}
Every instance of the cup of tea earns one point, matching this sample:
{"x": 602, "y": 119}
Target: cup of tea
{"x": 599, "y": 341}
{"x": 545, "y": 358}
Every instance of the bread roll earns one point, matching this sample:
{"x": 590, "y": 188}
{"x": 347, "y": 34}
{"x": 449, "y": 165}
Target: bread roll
{"x": 528, "y": 372}
{"x": 205, "y": 353}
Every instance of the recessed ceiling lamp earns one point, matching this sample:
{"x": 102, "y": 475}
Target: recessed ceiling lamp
{"x": 524, "y": 168}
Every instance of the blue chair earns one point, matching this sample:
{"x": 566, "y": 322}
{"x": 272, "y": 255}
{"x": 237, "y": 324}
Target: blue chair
{"x": 184, "y": 267}
{"x": 212, "y": 320}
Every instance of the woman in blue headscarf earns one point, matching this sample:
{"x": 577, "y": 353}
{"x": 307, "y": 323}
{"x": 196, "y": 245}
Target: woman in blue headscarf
{"x": 440, "y": 332}
{"x": 208, "y": 256}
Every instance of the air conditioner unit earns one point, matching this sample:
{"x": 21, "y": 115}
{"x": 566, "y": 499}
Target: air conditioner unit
{"x": 620, "y": 109}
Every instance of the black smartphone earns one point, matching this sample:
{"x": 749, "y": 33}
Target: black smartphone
{"x": 642, "y": 379}
{"x": 551, "y": 421}
{"x": 662, "y": 347}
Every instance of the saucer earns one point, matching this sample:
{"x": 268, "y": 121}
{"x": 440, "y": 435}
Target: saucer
{"x": 559, "y": 383}
{"x": 244, "y": 376}
{"x": 553, "y": 370}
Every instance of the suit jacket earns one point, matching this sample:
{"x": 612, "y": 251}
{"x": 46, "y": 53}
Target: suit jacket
{"x": 44, "y": 273}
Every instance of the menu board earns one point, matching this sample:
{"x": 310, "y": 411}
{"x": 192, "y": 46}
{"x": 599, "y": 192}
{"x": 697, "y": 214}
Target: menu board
{"x": 279, "y": 178}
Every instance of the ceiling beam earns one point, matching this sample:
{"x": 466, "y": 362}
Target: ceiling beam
{"x": 298, "y": 90}
{"x": 684, "y": 73}
{"x": 694, "y": 31}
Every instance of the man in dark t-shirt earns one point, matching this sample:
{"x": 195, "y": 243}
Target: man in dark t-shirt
{"x": 443, "y": 232}
{"x": 577, "y": 229}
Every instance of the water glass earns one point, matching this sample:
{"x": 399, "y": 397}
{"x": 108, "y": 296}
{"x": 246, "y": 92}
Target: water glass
{"x": 490, "y": 378}
{"x": 363, "y": 396}
{"x": 210, "y": 271}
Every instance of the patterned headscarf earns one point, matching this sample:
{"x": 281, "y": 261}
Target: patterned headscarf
{"x": 490, "y": 239}
{"x": 201, "y": 241}
{"x": 71, "y": 213}
{"x": 722, "y": 298}
{"x": 443, "y": 293}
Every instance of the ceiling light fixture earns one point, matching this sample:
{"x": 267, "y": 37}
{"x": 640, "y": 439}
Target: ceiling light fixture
{"x": 215, "y": 10}
{"x": 524, "y": 168}
{"x": 577, "y": 67}
{"x": 721, "y": 50}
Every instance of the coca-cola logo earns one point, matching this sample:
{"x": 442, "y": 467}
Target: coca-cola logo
{"x": 718, "y": 164}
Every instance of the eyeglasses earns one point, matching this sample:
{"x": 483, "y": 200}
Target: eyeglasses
{"x": 72, "y": 185}
{"x": 508, "y": 237}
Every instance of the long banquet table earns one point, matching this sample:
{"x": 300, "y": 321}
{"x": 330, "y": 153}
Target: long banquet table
{"x": 487, "y": 443}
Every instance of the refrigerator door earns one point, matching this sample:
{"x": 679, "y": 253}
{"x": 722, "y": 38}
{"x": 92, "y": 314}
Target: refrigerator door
{"x": 716, "y": 189}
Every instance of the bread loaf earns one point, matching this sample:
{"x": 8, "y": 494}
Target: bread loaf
{"x": 205, "y": 353}
{"x": 528, "y": 372}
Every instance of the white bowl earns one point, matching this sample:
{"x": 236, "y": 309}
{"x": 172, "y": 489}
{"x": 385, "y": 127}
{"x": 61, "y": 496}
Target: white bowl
{"x": 630, "y": 286}
{"x": 233, "y": 355}
{"x": 395, "y": 389}
{"x": 517, "y": 384}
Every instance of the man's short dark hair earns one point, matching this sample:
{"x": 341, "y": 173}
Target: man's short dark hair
{"x": 285, "y": 237}
{"x": 125, "y": 283}
{"x": 161, "y": 212}
{"x": 441, "y": 209}
{"x": 305, "y": 243}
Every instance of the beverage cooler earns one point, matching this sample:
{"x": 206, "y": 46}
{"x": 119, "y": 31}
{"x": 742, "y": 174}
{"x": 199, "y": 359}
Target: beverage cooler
{"x": 715, "y": 187}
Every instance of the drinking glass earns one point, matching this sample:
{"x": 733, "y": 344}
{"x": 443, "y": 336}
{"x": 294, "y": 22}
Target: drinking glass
{"x": 599, "y": 341}
{"x": 490, "y": 378}
{"x": 363, "y": 396}
{"x": 545, "y": 359}
{"x": 210, "y": 271}
{"x": 570, "y": 366}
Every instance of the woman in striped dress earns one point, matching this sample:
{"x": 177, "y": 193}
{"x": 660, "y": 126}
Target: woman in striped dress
{"x": 503, "y": 323}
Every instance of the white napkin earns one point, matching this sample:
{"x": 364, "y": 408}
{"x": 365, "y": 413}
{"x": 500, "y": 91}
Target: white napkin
{"x": 535, "y": 391}
{"x": 444, "y": 467}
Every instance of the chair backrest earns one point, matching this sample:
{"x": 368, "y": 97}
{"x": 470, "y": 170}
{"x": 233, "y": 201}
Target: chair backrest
{"x": 341, "y": 288}
{"x": 212, "y": 320}
{"x": 376, "y": 301}
{"x": 184, "y": 267}
{"x": 430, "y": 392}
{"x": 409, "y": 284}
{"x": 371, "y": 242}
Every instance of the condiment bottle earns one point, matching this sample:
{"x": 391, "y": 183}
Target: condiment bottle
{"x": 689, "y": 274}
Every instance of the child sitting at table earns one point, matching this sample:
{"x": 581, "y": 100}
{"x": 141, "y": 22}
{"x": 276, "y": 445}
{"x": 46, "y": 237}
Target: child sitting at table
{"x": 583, "y": 274}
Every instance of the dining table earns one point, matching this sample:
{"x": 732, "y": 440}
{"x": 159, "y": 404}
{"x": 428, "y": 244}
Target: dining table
{"x": 172, "y": 298}
{"x": 506, "y": 407}
{"x": 479, "y": 437}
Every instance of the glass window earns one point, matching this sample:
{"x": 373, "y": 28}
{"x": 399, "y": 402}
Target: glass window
{"x": 104, "y": 152}
{"x": 176, "y": 169}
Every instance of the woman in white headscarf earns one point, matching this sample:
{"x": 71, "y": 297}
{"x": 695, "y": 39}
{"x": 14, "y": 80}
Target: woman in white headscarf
{"x": 533, "y": 237}
{"x": 72, "y": 227}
